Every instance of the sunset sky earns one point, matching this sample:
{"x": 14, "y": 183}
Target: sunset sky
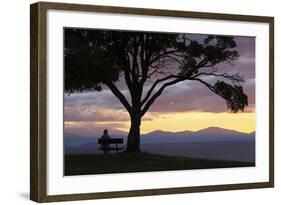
{"x": 187, "y": 105}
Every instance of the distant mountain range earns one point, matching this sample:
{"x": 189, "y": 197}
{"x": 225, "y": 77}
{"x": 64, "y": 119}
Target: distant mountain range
{"x": 211, "y": 134}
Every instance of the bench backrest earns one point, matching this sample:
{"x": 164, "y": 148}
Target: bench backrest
{"x": 111, "y": 141}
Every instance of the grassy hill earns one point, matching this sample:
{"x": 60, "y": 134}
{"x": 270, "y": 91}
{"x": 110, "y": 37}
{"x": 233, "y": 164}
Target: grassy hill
{"x": 139, "y": 162}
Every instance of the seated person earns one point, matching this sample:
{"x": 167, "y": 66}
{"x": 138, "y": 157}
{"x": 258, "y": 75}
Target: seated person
{"x": 105, "y": 136}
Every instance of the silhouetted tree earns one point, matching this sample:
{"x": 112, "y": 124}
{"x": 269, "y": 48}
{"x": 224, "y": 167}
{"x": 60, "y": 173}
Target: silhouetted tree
{"x": 101, "y": 57}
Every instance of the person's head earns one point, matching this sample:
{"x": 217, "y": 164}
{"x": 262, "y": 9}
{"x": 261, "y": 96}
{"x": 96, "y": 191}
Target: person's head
{"x": 105, "y": 132}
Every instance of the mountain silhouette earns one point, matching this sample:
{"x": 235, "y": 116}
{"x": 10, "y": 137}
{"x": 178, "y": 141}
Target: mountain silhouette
{"x": 210, "y": 143}
{"x": 218, "y": 130}
{"x": 211, "y": 134}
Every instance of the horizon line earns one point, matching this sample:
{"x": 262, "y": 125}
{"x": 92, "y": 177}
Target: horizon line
{"x": 64, "y": 131}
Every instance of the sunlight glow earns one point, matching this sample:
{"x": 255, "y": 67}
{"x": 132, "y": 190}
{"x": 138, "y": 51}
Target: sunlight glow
{"x": 193, "y": 121}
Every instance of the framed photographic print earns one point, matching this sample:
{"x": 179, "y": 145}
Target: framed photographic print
{"x": 134, "y": 102}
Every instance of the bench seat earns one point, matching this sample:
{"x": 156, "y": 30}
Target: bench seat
{"x": 105, "y": 144}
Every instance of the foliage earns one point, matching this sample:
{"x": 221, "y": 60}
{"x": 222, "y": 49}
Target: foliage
{"x": 96, "y": 57}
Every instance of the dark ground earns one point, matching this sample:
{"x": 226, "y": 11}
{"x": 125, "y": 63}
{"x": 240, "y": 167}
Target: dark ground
{"x": 139, "y": 162}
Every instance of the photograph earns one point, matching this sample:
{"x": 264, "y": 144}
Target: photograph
{"x": 144, "y": 101}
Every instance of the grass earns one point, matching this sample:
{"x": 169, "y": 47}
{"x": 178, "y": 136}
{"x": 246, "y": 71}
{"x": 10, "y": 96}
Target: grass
{"x": 139, "y": 162}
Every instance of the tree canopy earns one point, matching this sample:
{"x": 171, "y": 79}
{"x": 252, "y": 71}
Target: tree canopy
{"x": 95, "y": 57}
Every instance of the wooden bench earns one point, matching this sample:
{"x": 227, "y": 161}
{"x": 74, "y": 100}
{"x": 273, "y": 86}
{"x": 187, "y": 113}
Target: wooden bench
{"x": 105, "y": 144}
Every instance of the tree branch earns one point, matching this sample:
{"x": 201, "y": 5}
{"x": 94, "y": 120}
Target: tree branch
{"x": 206, "y": 84}
{"x": 209, "y": 86}
{"x": 119, "y": 95}
{"x": 150, "y": 91}
{"x": 161, "y": 55}
{"x": 234, "y": 78}
{"x": 159, "y": 92}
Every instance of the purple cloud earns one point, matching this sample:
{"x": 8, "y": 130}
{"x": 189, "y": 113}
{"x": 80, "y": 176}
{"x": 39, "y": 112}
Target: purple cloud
{"x": 184, "y": 96}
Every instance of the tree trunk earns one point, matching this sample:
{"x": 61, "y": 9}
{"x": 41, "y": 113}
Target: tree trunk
{"x": 133, "y": 142}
